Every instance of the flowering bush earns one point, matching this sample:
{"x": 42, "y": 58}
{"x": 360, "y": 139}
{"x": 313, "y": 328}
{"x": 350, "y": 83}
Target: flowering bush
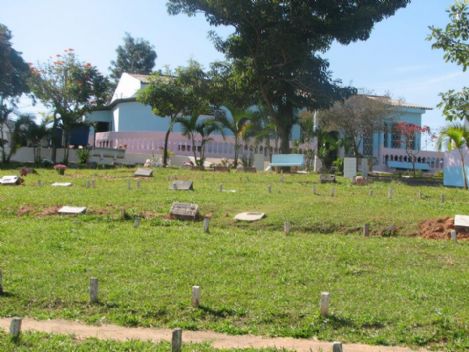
{"x": 60, "y": 168}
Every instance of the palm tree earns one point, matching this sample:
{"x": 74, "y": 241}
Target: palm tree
{"x": 204, "y": 127}
{"x": 455, "y": 136}
{"x": 237, "y": 125}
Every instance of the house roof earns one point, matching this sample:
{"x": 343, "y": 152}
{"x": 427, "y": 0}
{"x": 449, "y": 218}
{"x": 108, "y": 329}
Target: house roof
{"x": 397, "y": 102}
{"x": 141, "y": 78}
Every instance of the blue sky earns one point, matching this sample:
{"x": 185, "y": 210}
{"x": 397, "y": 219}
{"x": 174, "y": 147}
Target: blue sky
{"x": 396, "y": 59}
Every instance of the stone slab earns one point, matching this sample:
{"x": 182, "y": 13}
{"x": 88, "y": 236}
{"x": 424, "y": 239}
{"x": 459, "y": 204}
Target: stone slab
{"x": 61, "y": 184}
{"x": 69, "y": 210}
{"x": 184, "y": 211}
{"x": 249, "y": 216}
{"x": 230, "y": 190}
{"x": 10, "y": 180}
{"x": 350, "y": 167}
{"x": 182, "y": 186}
{"x": 326, "y": 178}
{"x": 461, "y": 221}
{"x": 143, "y": 172}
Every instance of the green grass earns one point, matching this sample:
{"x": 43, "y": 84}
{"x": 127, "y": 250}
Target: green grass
{"x": 37, "y": 342}
{"x": 397, "y": 290}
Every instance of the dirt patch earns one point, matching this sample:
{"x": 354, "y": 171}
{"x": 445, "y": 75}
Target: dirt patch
{"x": 49, "y": 211}
{"x": 440, "y": 229}
{"x": 25, "y": 210}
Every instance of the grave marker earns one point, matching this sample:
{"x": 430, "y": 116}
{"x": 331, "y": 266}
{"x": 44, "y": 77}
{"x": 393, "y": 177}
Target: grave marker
{"x": 68, "y": 210}
{"x": 390, "y": 192}
{"x": 138, "y": 184}
{"x": 286, "y": 227}
{"x": 143, "y": 172}
{"x": 221, "y": 187}
{"x": 337, "y": 347}
{"x": 61, "y": 184}
{"x": 366, "y": 230}
{"x": 184, "y": 211}
{"x": 93, "y": 183}
{"x": 269, "y": 188}
{"x": 15, "y": 328}
{"x": 176, "y": 340}
{"x": 350, "y": 167}
{"x": 88, "y": 185}
{"x": 454, "y": 235}
{"x": 182, "y": 186}
{"x": 314, "y": 189}
{"x": 206, "y": 224}
{"x": 370, "y": 192}
{"x": 93, "y": 290}
{"x": 461, "y": 221}
{"x": 249, "y": 216}
{"x": 129, "y": 184}
{"x": 333, "y": 192}
{"x": 324, "y": 304}
{"x": 195, "y": 296}
{"x": 442, "y": 197}
{"x": 10, "y": 180}
{"x": 137, "y": 222}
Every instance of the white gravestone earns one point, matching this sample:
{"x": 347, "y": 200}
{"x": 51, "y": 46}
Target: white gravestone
{"x": 143, "y": 172}
{"x": 350, "y": 167}
{"x": 249, "y": 216}
{"x": 68, "y": 210}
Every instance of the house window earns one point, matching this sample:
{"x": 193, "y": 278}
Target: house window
{"x": 395, "y": 137}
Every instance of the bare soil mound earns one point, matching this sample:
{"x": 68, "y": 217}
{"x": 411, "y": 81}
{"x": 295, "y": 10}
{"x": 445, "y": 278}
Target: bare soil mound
{"x": 440, "y": 229}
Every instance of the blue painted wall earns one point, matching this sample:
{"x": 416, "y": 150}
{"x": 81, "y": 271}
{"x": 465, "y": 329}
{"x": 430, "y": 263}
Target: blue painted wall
{"x": 453, "y": 176}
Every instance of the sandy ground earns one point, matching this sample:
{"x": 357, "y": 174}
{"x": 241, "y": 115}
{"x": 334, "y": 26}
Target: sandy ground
{"x": 220, "y": 341}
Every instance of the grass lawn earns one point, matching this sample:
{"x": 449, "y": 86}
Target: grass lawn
{"x": 384, "y": 290}
{"x": 36, "y": 342}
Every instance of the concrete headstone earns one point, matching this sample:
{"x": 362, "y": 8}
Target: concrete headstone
{"x": 461, "y": 221}
{"x": 68, "y": 210}
{"x": 350, "y": 167}
{"x": 10, "y": 180}
{"x": 184, "y": 211}
{"x": 143, "y": 172}
{"x": 249, "y": 216}
{"x": 61, "y": 184}
{"x": 182, "y": 186}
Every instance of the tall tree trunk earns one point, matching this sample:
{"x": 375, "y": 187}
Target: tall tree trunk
{"x": 461, "y": 154}
{"x": 165, "y": 149}
{"x": 236, "y": 152}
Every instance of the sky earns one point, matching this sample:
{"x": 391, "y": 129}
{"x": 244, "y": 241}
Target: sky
{"x": 396, "y": 59}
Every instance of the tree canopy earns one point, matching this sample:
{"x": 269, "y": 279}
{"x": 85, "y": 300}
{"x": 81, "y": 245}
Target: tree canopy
{"x": 454, "y": 41}
{"x": 14, "y": 72}
{"x": 277, "y": 44}
{"x": 135, "y": 55}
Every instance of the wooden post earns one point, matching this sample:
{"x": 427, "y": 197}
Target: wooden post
{"x": 206, "y": 224}
{"x": 454, "y": 235}
{"x": 324, "y": 304}
{"x": 221, "y": 187}
{"x": 390, "y": 193}
{"x": 15, "y": 328}
{"x": 442, "y": 198}
{"x": 176, "y": 340}
{"x": 337, "y": 347}
{"x": 1, "y": 283}
{"x": 93, "y": 290}
{"x": 129, "y": 184}
{"x": 195, "y": 296}
{"x": 269, "y": 188}
{"x": 286, "y": 227}
{"x": 366, "y": 230}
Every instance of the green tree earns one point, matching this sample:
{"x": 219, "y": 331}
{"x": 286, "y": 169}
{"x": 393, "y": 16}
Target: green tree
{"x": 70, "y": 88}
{"x": 175, "y": 95}
{"x": 454, "y": 41}
{"x": 277, "y": 45}
{"x": 14, "y": 75}
{"x": 455, "y": 137}
{"x": 135, "y": 55}
{"x": 204, "y": 127}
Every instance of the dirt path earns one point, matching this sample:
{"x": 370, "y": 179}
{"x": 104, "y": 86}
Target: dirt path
{"x": 221, "y": 341}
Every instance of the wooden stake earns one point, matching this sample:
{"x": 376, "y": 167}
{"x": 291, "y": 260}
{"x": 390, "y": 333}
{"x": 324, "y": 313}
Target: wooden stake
{"x": 206, "y": 224}
{"x": 176, "y": 340}
{"x": 15, "y": 328}
{"x": 324, "y": 304}
{"x": 337, "y": 347}
{"x": 93, "y": 290}
{"x": 454, "y": 235}
{"x": 195, "y": 296}
{"x": 366, "y": 230}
